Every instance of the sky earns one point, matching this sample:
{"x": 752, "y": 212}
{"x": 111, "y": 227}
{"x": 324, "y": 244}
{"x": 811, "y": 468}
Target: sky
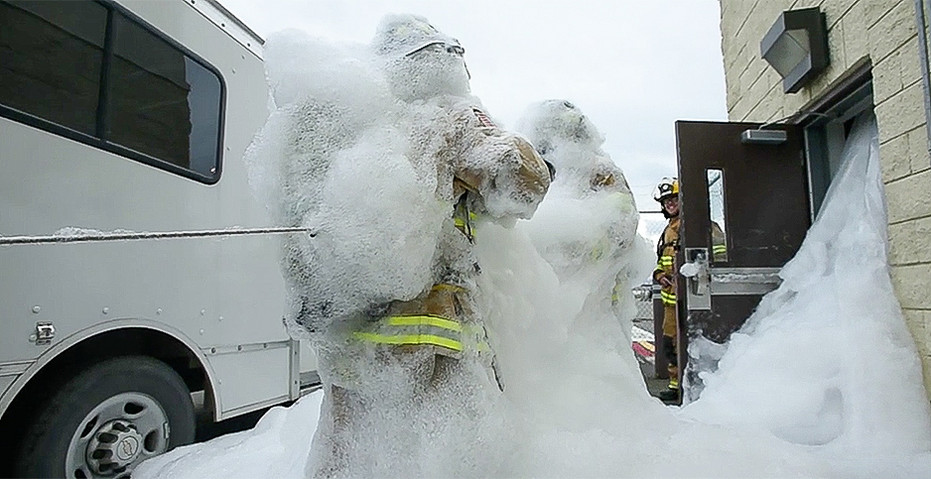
{"x": 633, "y": 67}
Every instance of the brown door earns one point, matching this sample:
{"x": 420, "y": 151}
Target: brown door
{"x": 744, "y": 208}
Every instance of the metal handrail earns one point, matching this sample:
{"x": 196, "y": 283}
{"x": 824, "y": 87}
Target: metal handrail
{"x": 95, "y": 236}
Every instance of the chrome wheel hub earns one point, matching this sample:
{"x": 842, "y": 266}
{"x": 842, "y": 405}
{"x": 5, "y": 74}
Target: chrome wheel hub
{"x": 117, "y": 435}
{"x": 114, "y": 446}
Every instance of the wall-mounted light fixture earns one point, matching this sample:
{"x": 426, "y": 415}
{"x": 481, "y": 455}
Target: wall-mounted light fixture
{"x": 797, "y": 47}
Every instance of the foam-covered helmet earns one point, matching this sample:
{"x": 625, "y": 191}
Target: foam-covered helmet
{"x": 550, "y": 122}
{"x": 667, "y": 187}
{"x": 406, "y": 35}
{"x": 420, "y": 61}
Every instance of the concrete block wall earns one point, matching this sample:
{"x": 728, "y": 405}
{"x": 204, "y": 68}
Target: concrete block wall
{"x": 885, "y": 32}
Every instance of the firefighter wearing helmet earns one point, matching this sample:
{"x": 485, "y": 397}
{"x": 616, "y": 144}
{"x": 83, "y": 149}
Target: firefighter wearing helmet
{"x": 667, "y": 194}
{"x": 434, "y": 344}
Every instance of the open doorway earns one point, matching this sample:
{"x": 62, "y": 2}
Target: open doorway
{"x": 827, "y": 123}
{"x": 761, "y": 197}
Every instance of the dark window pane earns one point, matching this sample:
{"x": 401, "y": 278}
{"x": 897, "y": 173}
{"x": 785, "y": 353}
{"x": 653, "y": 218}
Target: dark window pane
{"x": 50, "y": 60}
{"x": 161, "y": 102}
{"x": 204, "y": 102}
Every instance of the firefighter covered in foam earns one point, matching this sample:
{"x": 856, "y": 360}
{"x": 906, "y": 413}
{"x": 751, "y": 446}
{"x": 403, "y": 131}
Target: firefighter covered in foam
{"x": 587, "y": 226}
{"x": 386, "y": 156}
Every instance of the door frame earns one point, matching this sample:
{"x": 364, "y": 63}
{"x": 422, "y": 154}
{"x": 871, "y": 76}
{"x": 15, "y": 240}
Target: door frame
{"x": 823, "y": 121}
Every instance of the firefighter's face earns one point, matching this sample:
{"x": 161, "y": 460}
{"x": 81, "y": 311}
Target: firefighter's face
{"x": 671, "y": 205}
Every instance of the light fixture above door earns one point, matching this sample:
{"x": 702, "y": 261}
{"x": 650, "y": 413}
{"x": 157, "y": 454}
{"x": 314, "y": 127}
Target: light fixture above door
{"x": 797, "y": 47}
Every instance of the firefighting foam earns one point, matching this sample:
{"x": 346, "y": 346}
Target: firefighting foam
{"x": 384, "y": 289}
{"x": 336, "y": 156}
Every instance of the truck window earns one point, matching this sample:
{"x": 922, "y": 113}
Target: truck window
{"x": 132, "y": 91}
{"x": 51, "y": 54}
{"x": 156, "y": 92}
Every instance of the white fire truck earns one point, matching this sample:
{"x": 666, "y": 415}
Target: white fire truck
{"x": 138, "y": 272}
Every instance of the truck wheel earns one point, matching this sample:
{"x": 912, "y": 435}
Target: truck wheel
{"x": 107, "y": 419}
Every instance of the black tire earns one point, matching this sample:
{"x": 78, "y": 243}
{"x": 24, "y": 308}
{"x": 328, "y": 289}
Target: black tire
{"x": 90, "y": 411}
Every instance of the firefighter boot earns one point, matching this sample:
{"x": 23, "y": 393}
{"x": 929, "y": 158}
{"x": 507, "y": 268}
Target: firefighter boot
{"x": 668, "y": 395}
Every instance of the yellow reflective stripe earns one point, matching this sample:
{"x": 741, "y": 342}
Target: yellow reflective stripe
{"x": 483, "y": 347}
{"x": 477, "y": 332}
{"x": 464, "y": 219}
{"x": 668, "y": 298}
{"x": 719, "y": 248}
{"x": 410, "y": 339}
{"x": 473, "y": 328}
{"x": 468, "y": 229}
{"x": 459, "y": 222}
{"x": 428, "y": 320}
{"x": 673, "y": 384}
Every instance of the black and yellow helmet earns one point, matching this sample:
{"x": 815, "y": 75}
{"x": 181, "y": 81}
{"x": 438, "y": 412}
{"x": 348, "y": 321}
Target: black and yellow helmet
{"x": 667, "y": 187}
